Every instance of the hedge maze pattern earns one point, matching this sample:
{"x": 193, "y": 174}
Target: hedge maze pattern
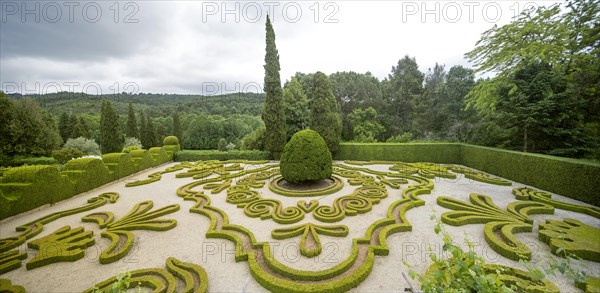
{"x": 192, "y": 276}
{"x": 500, "y": 225}
{"x": 6, "y": 286}
{"x": 119, "y": 232}
{"x": 239, "y": 181}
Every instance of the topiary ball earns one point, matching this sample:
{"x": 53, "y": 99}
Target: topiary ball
{"x": 305, "y": 158}
{"x": 171, "y": 140}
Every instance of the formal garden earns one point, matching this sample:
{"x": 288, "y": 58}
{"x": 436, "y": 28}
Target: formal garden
{"x": 307, "y": 223}
{"x": 331, "y": 183}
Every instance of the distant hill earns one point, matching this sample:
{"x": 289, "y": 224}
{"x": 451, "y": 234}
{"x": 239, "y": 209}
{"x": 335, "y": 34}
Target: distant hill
{"x": 152, "y": 104}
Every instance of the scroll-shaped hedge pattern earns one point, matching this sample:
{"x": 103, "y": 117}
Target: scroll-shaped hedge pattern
{"x": 571, "y": 237}
{"x": 64, "y": 244}
{"x": 500, "y": 225}
{"x": 278, "y": 277}
{"x": 192, "y": 277}
{"x": 310, "y": 245}
{"x": 479, "y": 176}
{"x": 34, "y": 228}
{"x": 11, "y": 260}
{"x": 6, "y": 286}
{"x": 119, "y": 232}
{"x": 526, "y": 193}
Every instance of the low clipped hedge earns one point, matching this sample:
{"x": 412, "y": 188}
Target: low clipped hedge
{"x": 28, "y": 187}
{"x": 574, "y": 178}
{"x": 448, "y": 153}
{"x": 206, "y": 155}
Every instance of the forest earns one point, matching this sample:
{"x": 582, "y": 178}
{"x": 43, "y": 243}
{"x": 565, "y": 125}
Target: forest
{"x": 543, "y": 96}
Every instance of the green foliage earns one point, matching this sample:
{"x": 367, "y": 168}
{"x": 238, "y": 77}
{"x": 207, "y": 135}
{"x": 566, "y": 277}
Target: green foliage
{"x": 400, "y": 90}
{"x": 204, "y": 132}
{"x": 366, "y": 127}
{"x": 64, "y": 244}
{"x": 254, "y": 140}
{"x": 171, "y": 140}
{"x": 177, "y": 130}
{"x": 405, "y": 152}
{"x": 86, "y": 146}
{"x": 131, "y": 129}
{"x": 66, "y": 154}
{"x": 405, "y": 137}
{"x": 325, "y": 112}
{"x": 571, "y": 237}
{"x": 222, "y": 146}
{"x": 196, "y": 155}
{"x": 544, "y": 172}
{"x": 111, "y": 134}
{"x": 464, "y": 271}
{"x": 132, "y": 142}
{"x": 19, "y": 161}
{"x": 296, "y": 107}
{"x": 306, "y": 158}
{"x": 130, "y": 148}
{"x": 274, "y": 112}
{"x": 122, "y": 284}
{"x": 31, "y": 130}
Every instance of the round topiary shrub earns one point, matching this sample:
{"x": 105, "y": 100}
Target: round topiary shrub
{"x": 171, "y": 140}
{"x": 306, "y": 158}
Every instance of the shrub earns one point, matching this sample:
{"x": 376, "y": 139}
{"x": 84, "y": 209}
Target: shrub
{"x": 405, "y": 137}
{"x": 20, "y": 161}
{"x": 130, "y": 148}
{"x": 255, "y": 140}
{"x": 132, "y": 141}
{"x": 64, "y": 155}
{"x": 222, "y": 146}
{"x": 86, "y": 146}
{"x": 206, "y": 155}
{"x": 171, "y": 140}
{"x": 306, "y": 158}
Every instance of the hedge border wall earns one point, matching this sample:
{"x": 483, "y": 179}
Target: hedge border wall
{"x": 574, "y": 178}
{"x": 207, "y": 155}
{"x": 28, "y": 187}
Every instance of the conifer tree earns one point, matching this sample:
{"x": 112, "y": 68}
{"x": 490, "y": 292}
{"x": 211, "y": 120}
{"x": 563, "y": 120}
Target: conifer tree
{"x": 111, "y": 134}
{"x": 144, "y": 139}
{"x": 131, "y": 130}
{"x": 177, "y": 128}
{"x": 296, "y": 107}
{"x": 64, "y": 127}
{"x": 273, "y": 113}
{"x": 325, "y": 112}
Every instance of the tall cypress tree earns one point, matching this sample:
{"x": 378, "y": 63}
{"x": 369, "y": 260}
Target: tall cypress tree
{"x": 273, "y": 113}
{"x": 151, "y": 134}
{"x": 177, "y": 127}
{"x": 325, "y": 115}
{"x": 131, "y": 130}
{"x": 111, "y": 134}
{"x": 144, "y": 131}
{"x": 64, "y": 126}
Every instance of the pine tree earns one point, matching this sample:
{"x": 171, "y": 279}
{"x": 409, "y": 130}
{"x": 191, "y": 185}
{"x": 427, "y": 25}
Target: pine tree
{"x": 85, "y": 128}
{"x": 177, "y": 128}
{"x": 325, "y": 112}
{"x": 131, "y": 130}
{"x": 111, "y": 134}
{"x": 296, "y": 107}
{"x": 273, "y": 113}
{"x": 64, "y": 127}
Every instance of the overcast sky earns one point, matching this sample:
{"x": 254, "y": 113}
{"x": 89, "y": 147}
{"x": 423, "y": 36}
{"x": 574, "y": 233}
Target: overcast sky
{"x": 218, "y": 46}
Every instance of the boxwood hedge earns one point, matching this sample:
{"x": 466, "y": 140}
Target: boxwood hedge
{"x": 569, "y": 177}
{"x": 27, "y": 187}
{"x": 206, "y": 155}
